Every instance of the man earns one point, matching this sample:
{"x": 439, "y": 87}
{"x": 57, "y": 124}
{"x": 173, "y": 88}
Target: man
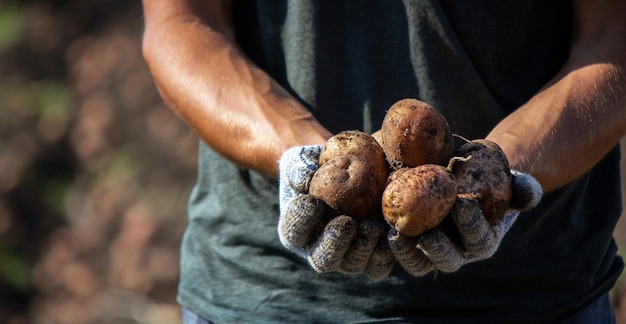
{"x": 544, "y": 80}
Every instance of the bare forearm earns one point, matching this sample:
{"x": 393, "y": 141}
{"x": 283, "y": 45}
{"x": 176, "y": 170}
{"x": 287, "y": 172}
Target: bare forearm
{"x": 566, "y": 129}
{"x": 234, "y": 106}
{"x": 575, "y": 120}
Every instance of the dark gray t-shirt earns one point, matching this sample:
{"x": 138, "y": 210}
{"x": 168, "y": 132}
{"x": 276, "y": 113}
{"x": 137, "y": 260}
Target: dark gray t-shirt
{"x": 348, "y": 61}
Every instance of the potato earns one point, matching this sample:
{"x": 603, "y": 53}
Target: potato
{"x": 396, "y": 174}
{"x": 418, "y": 199}
{"x": 357, "y": 143}
{"x": 485, "y": 177}
{"x": 414, "y": 133}
{"x": 352, "y": 142}
{"x": 377, "y": 135}
{"x": 349, "y": 184}
{"x": 358, "y": 172}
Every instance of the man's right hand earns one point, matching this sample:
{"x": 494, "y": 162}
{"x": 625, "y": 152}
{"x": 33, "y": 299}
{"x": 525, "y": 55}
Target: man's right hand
{"x": 328, "y": 242}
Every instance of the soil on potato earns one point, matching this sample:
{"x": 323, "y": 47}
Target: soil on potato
{"x": 417, "y": 199}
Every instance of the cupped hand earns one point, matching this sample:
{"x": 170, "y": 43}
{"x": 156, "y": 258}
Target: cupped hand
{"x": 309, "y": 228}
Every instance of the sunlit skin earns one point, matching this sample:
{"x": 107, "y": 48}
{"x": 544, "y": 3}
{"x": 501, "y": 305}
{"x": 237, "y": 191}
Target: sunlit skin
{"x": 581, "y": 114}
{"x": 235, "y": 107}
{"x": 238, "y": 110}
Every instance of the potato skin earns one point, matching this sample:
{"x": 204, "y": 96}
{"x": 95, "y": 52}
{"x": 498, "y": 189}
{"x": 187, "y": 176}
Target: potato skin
{"x": 352, "y": 142}
{"x": 361, "y": 144}
{"x": 485, "y": 177}
{"x": 377, "y": 135}
{"x": 348, "y": 184}
{"x": 414, "y": 133}
{"x": 418, "y": 199}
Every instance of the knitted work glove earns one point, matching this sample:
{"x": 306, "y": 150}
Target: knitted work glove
{"x": 328, "y": 242}
{"x": 434, "y": 250}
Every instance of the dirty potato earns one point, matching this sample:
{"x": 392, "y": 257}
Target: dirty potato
{"x": 418, "y": 199}
{"x": 414, "y": 133}
{"x": 485, "y": 176}
{"x": 358, "y": 143}
{"x": 349, "y": 184}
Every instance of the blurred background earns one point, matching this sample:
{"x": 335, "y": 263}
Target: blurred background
{"x": 94, "y": 169}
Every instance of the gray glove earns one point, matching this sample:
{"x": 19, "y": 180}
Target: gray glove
{"x": 434, "y": 250}
{"x": 328, "y": 242}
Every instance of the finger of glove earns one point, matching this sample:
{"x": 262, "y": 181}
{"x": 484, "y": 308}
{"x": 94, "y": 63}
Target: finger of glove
{"x": 356, "y": 257}
{"x": 502, "y": 227}
{"x": 297, "y": 165}
{"x": 480, "y": 240}
{"x": 527, "y": 191}
{"x": 296, "y": 168}
{"x": 408, "y": 256}
{"x": 300, "y": 223}
{"x": 327, "y": 253}
{"x": 381, "y": 261}
{"x": 441, "y": 251}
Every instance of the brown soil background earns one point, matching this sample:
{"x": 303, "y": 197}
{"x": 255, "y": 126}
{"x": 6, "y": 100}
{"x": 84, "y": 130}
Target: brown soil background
{"x": 94, "y": 170}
